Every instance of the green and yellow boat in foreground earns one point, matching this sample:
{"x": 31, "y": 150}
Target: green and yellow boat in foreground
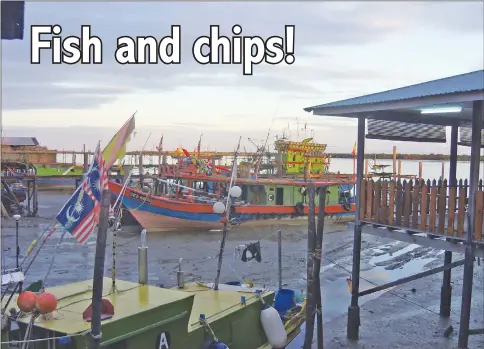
{"x": 145, "y": 316}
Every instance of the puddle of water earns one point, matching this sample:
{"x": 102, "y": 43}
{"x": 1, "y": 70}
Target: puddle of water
{"x": 336, "y": 296}
{"x": 385, "y": 257}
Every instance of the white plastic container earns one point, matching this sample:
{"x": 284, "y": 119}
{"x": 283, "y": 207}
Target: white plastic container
{"x": 273, "y": 327}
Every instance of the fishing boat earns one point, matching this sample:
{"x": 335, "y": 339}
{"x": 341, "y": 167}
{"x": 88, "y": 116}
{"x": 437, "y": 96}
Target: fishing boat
{"x": 184, "y": 194}
{"x": 136, "y": 315}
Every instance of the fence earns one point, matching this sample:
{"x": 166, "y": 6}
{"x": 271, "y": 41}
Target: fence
{"x": 431, "y": 206}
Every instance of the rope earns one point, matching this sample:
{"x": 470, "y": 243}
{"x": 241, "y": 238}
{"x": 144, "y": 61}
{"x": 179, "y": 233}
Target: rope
{"x": 208, "y": 329}
{"x": 377, "y": 285}
{"x": 53, "y": 258}
{"x": 32, "y": 261}
{"x": 87, "y": 299}
{"x": 47, "y": 339}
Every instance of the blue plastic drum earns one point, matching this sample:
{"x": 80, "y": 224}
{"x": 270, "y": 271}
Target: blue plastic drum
{"x": 284, "y": 301}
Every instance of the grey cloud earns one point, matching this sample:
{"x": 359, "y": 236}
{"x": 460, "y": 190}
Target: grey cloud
{"x": 317, "y": 25}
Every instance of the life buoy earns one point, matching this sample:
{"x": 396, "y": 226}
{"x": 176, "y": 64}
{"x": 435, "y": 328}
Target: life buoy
{"x": 270, "y": 197}
{"x": 299, "y": 208}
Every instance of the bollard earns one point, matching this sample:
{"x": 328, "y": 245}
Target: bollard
{"x": 143, "y": 260}
{"x": 179, "y": 275}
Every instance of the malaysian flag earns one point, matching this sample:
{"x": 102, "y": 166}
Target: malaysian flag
{"x": 79, "y": 216}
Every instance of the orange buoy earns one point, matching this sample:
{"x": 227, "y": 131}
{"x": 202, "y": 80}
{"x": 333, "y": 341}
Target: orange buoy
{"x": 46, "y": 303}
{"x": 26, "y": 301}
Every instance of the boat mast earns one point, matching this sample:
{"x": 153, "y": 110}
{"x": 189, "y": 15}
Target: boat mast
{"x": 227, "y": 216}
{"x": 261, "y": 155}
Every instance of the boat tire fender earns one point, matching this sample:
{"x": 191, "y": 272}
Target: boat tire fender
{"x": 273, "y": 327}
{"x": 346, "y": 205}
{"x": 270, "y": 197}
{"x": 299, "y": 208}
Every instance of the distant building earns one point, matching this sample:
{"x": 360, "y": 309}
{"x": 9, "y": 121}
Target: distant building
{"x": 26, "y": 150}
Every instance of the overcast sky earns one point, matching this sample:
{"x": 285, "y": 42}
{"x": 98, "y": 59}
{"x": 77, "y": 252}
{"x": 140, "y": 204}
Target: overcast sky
{"x": 342, "y": 50}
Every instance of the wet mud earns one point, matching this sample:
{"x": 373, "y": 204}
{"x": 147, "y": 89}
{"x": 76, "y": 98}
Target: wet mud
{"x": 396, "y": 318}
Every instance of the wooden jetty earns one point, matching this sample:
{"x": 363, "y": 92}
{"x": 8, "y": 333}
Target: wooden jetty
{"x": 428, "y": 214}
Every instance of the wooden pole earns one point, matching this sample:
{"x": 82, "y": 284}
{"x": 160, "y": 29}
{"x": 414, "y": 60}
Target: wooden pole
{"x": 310, "y": 301}
{"x": 279, "y": 256}
{"x": 420, "y": 170}
{"x": 399, "y": 169}
{"x": 443, "y": 170}
{"x": 466, "y": 305}
{"x": 394, "y": 163}
{"x": 317, "y": 267}
{"x": 141, "y": 170}
{"x": 86, "y": 158}
{"x": 366, "y": 168}
{"x": 98, "y": 277}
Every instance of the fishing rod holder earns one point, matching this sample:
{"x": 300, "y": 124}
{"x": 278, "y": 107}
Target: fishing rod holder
{"x": 143, "y": 260}
{"x": 180, "y": 275}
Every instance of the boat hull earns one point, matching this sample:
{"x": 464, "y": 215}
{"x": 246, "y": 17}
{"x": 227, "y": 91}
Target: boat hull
{"x": 154, "y": 212}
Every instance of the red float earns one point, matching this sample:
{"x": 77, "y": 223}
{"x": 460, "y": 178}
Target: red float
{"x": 46, "y": 303}
{"x": 26, "y": 301}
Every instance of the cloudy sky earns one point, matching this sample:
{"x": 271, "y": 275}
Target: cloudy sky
{"x": 342, "y": 50}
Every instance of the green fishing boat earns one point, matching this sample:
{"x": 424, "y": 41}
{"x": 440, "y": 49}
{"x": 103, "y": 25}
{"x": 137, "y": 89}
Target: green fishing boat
{"x": 147, "y": 316}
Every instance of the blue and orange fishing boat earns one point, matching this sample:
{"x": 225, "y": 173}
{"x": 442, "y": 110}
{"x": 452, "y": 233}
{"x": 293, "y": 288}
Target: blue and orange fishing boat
{"x": 184, "y": 194}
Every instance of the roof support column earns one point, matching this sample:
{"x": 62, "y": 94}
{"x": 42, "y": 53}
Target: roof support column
{"x": 477, "y": 121}
{"x": 446, "y": 289}
{"x": 354, "y": 309}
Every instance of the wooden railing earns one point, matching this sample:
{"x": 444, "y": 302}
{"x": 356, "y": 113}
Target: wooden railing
{"x": 431, "y": 207}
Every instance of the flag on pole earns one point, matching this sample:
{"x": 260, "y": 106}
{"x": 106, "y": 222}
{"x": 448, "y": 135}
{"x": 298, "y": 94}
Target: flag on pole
{"x": 80, "y": 214}
{"x": 116, "y": 148}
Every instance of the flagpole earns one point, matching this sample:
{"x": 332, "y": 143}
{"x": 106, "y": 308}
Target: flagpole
{"x": 227, "y": 216}
{"x": 97, "y": 280}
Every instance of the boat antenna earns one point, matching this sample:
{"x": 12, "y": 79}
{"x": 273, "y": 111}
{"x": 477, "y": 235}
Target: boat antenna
{"x": 227, "y": 216}
{"x": 261, "y": 155}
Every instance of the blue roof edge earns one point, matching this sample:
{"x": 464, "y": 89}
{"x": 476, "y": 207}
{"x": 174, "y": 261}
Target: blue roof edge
{"x": 479, "y": 76}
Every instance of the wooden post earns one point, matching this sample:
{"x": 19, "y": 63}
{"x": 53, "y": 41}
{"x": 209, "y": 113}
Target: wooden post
{"x": 399, "y": 169}
{"x": 353, "y": 325}
{"x": 420, "y": 170}
{"x": 317, "y": 268}
{"x": 310, "y": 301}
{"x": 443, "y": 170}
{"x": 86, "y": 158}
{"x": 394, "y": 163}
{"x": 446, "y": 289}
{"x": 35, "y": 201}
{"x": 477, "y": 116}
{"x": 98, "y": 277}
{"x": 279, "y": 256}
{"x": 141, "y": 170}
{"x": 366, "y": 168}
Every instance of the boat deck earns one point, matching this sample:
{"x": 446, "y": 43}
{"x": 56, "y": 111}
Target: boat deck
{"x": 216, "y": 304}
{"x": 133, "y": 298}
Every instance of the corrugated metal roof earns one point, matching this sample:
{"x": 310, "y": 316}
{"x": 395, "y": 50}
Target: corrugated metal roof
{"x": 473, "y": 81}
{"x": 19, "y": 141}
